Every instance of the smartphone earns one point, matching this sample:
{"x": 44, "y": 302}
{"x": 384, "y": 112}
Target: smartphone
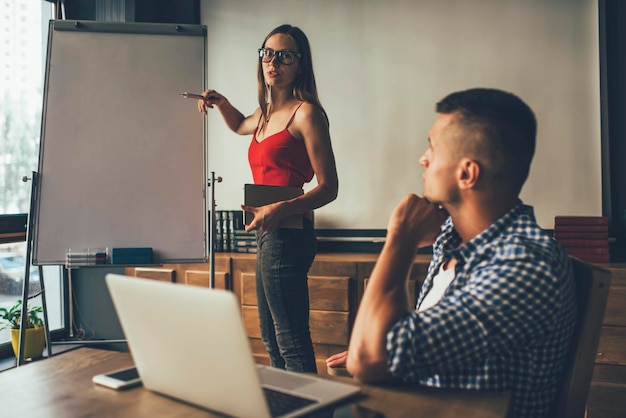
{"x": 119, "y": 379}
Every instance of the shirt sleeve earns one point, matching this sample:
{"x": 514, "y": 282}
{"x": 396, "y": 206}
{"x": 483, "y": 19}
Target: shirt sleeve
{"x": 504, "y": 303}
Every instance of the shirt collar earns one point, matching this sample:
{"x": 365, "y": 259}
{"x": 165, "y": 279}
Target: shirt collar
{"x": 448, "y": 242}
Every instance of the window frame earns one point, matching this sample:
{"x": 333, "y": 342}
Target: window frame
{"x": 14, "y": 229}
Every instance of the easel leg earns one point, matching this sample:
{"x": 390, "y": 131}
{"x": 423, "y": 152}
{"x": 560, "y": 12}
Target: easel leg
{"x": 70, "y": 296}
{"x": 212, "y": 182}
{"x": 45, "y": 312}
{"x": 25, "y": 289}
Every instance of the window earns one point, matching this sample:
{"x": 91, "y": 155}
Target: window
{"x": 23, "y": 43}
{"x": 12, "y": 271}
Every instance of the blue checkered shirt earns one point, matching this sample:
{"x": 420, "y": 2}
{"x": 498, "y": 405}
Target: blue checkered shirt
{"x": 505, "y": 323}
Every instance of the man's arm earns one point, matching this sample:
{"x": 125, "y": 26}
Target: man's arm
{"x": 414, "y": 223}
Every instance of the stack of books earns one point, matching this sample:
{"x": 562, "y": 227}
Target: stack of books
{"x": 245, "y": 242}
{"x": 584, "y": 237}
{"x": 230, "y": 233}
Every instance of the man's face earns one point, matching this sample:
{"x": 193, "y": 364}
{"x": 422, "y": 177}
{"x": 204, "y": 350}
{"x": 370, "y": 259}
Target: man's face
{"x": 440, "y": 161}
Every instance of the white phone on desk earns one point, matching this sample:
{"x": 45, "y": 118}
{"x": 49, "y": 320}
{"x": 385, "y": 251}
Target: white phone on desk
{"x": 119, "y": 379}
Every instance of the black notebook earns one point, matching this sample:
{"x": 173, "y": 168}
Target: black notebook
{"x": 261, "y": 194}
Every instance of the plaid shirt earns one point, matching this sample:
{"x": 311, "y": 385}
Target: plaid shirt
{"x": 505, "y": 322}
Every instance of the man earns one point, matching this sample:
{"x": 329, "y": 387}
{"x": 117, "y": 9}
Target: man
{"x": 497, "y": 309}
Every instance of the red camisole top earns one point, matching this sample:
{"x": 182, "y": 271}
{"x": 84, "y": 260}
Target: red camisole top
{"x": 280, "y": 159}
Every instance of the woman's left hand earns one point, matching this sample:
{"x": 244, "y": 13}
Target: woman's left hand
{"x": 266, "y": 218}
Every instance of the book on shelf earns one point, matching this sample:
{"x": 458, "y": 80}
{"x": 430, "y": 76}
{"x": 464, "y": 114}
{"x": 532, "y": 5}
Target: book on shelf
{"x": 229, "y": 228}
{"x": 581, "y": 228}
{"x": 245, "y": 250}
{"x": 219, "y": 242}
{"x": 225, "y": 232}
{"x": 245, "y": 242}
{"x": 581, "y": 220}
{"x": 587, "y": 250}
{"x": 243, "y": 235}
{"x": 560, "y": 235}
{"x": 589, "y": 243}
{"x": 238, "y": 225}
{"x": 248, "y": 242}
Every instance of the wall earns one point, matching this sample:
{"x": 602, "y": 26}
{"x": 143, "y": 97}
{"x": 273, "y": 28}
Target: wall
{"x": 91, "y": 294}
{"x": 93, "y": 313}
{"x": 381, "y": 66}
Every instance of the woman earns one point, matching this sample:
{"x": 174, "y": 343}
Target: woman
{"x": 290, "y": 144}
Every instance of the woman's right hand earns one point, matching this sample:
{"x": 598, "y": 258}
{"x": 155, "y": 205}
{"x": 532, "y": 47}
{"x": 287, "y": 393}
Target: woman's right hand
{"x": 337, "y": 360}
{"x": 211, "y": 97}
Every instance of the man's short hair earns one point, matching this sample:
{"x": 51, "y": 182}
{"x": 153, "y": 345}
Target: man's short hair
{"x": 505, "y": 131}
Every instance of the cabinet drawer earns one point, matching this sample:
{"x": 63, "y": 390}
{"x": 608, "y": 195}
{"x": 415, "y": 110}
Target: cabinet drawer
{"x": 612, "y": 346}
{"x": 329, "y": 293}
{"x": 615, "y": 313}
{"x": 327, "y": 327}
{"x": 202, "y": 278}
{"x": 326, "y": 293}
{"x": 248, "y": 288}
{"x": 609, "y": 373}
{"x": 161, "y": 274}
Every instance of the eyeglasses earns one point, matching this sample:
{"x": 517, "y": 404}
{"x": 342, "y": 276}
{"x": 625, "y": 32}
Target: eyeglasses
{"x": 285, "y": 56}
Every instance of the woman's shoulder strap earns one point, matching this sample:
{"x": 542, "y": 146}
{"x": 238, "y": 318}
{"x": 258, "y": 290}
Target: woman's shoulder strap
{"x": 293, "y": 115}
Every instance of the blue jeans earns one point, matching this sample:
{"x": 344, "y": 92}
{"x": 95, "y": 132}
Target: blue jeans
{"x": 283, "y": 260}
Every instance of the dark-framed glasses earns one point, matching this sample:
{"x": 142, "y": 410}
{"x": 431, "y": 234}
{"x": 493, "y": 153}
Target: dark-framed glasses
{"x": 285, "y": 56}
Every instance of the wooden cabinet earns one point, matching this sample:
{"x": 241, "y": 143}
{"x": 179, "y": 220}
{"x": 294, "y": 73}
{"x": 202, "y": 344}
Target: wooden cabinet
{"x": 329, "y": 315}
{"x": 195, "y": 274}
{"x": 612, "y": 346}
{"x": 332, "y": 298}
{"x": 160, "y": 274}
{"x": 202, "y": 278}
{"x": 608, "y": 387}
{"x": 336, "y": 284}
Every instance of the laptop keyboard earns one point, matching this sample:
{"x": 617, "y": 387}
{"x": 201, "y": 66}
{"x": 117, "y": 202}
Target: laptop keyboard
{"x": 282, "y": 403}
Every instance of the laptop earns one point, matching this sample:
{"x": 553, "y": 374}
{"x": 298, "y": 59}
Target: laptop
{"x": 189, "y": 343}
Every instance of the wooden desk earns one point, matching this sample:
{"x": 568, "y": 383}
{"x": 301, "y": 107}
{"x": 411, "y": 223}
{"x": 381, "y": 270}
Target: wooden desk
{"x": 61, "y": 387}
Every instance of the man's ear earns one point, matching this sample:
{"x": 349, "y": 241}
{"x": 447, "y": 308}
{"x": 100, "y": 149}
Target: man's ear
{"x": 468, "y": 173}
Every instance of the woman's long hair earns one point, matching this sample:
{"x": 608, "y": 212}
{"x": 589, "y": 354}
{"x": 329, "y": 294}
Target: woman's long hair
{"x": 304, "y": 87}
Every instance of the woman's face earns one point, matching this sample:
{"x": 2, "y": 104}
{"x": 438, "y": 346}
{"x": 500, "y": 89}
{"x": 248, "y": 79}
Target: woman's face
{"x": 276, "y": 73}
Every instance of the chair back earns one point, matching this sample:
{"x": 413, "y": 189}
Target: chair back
{"x": 592, "y": 290}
